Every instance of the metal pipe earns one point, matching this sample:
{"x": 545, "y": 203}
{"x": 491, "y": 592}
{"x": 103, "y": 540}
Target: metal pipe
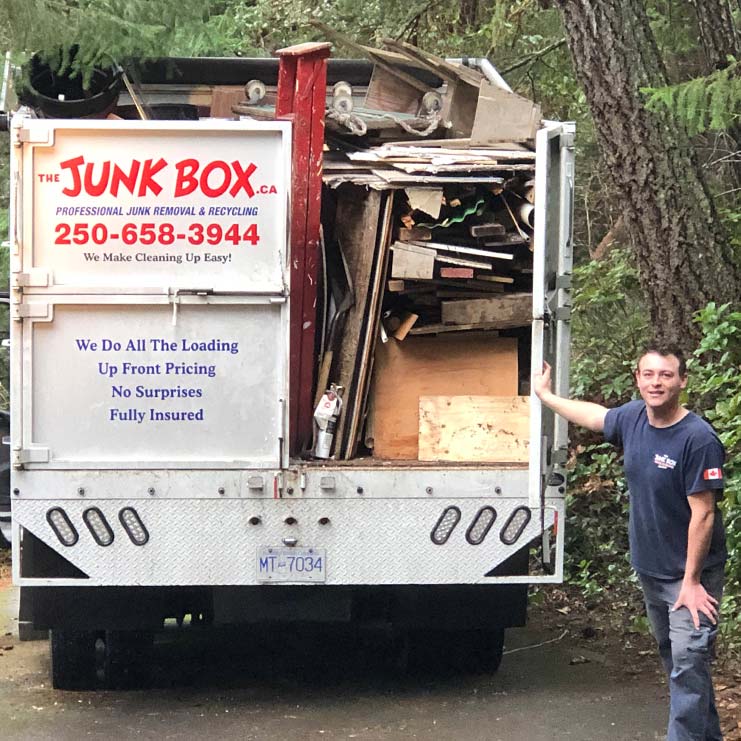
{"x": 6, "y": 80}
{"x": 485, "y": 67}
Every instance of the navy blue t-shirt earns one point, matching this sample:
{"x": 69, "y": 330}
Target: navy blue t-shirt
{"x": 663, "y": 466}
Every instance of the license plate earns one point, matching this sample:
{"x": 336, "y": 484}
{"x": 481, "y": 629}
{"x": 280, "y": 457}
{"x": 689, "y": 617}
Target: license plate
{"x": 291, "y": 564}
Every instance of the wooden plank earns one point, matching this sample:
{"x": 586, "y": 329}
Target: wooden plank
{"x": 464, "y": 292}
{"x": 357, "y": 405}
{"x": 386, "y": 92}
{"x": 496, "y": 278}
{"x": 411, "y": 262}
{"x": 394, "y": 176}
{"x": 302, "y": 75}
{"x": 441, "y": 328}
{"x": 223, "y": 98}
{"x": 416, "y": 149}
{"x": 459, "y": 167}
{"x": 456, "y": 272}
{"x": 474, "y": 429}
{"x": 415, "y": 233}
{"x": 480, "y": 363}
{"x": 357, "y": 222}
{"x": 459, "y": 249}
{"x": 493, "y": 229}
{"x": 457, "y": 144}
{"x": 503, "y": 116}
{"x": 408, "y": 320}
{"x": 438, "y": 65}
{"x": 462, "y": 262}
{"x": 507, "y": 310}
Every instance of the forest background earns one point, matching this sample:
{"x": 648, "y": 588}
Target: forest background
{"x": 608, "y": 65}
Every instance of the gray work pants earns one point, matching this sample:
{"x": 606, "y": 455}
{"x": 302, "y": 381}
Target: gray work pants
{"x": 686, "y": 654}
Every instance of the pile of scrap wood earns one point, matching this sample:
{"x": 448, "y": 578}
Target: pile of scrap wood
{"x": 461, "y": 259}
{"x": 432, "y": 211}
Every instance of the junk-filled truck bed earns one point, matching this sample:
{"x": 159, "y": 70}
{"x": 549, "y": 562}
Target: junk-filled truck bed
{"x": 176, "y": 453}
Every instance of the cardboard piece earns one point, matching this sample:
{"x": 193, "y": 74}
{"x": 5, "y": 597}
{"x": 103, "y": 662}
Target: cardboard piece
{"x": 429, "y": 200}
{"x": 474, "y": 428}
{"x": 480, "y": 363}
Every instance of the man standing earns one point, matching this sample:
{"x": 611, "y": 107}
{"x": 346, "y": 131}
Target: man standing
{"x": 674, "y": 467}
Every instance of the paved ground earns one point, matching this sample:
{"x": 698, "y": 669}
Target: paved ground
{"x": 297, "y": 686}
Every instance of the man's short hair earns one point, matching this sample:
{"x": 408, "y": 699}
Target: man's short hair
{"x": 666, "y": 350}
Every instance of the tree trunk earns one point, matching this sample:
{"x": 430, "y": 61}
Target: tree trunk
{"x": 717, "y": 31}
{"x": 720, "y": 39}
{"x": 683, "y": 255}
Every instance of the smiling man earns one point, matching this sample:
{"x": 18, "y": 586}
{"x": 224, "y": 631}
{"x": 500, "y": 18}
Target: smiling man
{"x": 674, "y": 467}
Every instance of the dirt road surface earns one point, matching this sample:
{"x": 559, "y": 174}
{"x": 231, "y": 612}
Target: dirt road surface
{"x": 297, "y": 685}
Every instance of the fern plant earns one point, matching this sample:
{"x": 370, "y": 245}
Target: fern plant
{"x": 705, "y": 103}
{"x": 106, "y": 30}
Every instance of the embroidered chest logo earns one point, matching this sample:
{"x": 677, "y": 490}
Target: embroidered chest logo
{"x": 664, "y": 461}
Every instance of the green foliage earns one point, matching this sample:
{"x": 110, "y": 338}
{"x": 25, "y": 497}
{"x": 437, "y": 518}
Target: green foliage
{"x": 113, "y": 29}
{"x": 705, "y": 103}
{"x": 596, "y": 527}
{"x": 609, "y": 328}
{"x": 597, "y": 507}
{"x": 715, "y": 388}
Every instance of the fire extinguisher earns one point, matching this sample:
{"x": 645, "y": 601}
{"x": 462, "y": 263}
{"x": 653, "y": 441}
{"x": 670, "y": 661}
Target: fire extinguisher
{"x": 326, "y": 415}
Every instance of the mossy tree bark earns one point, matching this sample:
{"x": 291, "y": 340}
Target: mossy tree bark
{"x": 683, "y": 254}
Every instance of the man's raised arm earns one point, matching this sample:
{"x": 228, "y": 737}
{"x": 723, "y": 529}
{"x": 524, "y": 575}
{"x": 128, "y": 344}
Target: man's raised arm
{"x": 583, "y": 413}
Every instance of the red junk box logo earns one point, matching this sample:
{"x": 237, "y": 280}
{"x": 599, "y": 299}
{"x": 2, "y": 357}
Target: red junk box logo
{"x": 212, "y": 179}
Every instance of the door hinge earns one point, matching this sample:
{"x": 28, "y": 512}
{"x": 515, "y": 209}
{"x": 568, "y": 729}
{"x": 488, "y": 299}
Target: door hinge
{"x": 35, "y": 136}
{"x": 560, "y": 456}
{"x": 21, "y": 456}
{"x": 34, "y": 311}
{"x": 33, "y": 278}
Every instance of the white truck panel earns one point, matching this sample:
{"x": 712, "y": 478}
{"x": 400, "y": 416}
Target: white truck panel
{"x": 117, "y": 384}
{"x": 135, "y": 205}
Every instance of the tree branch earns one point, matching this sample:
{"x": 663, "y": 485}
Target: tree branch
{"x": 533, "y": 57}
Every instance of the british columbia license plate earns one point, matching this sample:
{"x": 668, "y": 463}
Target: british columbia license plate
{"x": 278, "y": 563}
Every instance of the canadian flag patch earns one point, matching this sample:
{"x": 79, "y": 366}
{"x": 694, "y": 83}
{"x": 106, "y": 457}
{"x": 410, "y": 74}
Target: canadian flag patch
{"x": 712, "y": 473}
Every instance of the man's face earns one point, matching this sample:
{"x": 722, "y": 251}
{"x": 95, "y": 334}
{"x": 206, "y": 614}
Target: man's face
{"x": 659, "y": 381}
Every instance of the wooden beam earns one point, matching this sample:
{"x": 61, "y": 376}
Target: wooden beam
{"x": 506, "y": 310}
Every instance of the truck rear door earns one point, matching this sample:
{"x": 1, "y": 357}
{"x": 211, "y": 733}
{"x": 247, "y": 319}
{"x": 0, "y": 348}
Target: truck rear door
{"x": 552, "y": 261}
{"x": 150, "y": 294}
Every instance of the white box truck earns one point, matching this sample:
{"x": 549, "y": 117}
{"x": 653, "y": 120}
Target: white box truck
{"x": 149, "y": 358}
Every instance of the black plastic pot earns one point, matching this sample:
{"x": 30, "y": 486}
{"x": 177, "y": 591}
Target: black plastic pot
{"x": 55, "y": 95}
{"x": 162, "y": 112}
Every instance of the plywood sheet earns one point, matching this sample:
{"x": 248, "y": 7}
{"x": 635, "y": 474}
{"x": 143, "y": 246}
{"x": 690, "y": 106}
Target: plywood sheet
{"x": 447, "y": 365}
{"x": 474, "y": 428}
{"x": 503, "y": 116}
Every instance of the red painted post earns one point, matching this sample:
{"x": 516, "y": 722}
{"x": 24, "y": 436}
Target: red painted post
{"x": 302, "y": 88}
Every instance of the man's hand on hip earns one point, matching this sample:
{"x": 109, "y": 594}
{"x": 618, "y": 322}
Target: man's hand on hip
{"x": 694, "y": 597}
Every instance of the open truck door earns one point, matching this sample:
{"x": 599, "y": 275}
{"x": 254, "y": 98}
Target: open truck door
{"x": 551, "y": 331}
